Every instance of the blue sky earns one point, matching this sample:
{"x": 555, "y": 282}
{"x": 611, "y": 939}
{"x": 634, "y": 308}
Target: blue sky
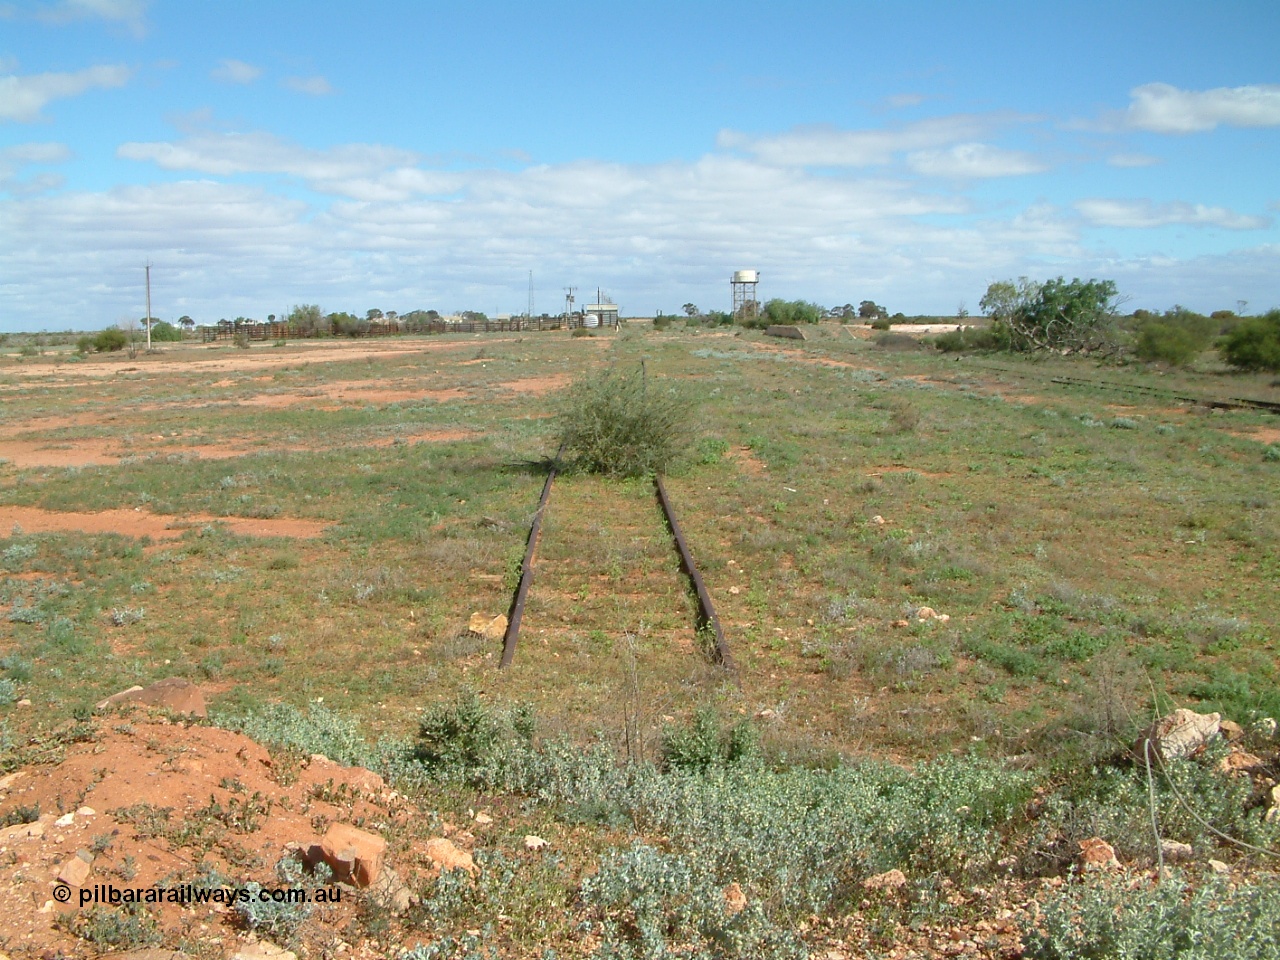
{"x": 423, "y": 155}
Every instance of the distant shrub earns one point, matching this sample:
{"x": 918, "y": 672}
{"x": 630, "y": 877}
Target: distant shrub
{"x": 582, "y": 332}
{"x": 1176, "y": 338}
{"x": 968, "y": 340}
{"x": 791, "y": 312}
{"x": 84, "y": 344}
{"x": 165, "y": 332}
{"x": 1254, "y": 344}
{"x": 241, "y": 339}
{"x": 618, "y": 424}
{"x": 110, "y": 340}
{"x": 881, "y": 323}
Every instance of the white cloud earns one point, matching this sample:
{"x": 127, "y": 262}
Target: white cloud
{"x": 236, "y": 71}
{"x": 967, "y": 161}
{"x": 1145, "y": 214}
{"x": 826, "y": 146}
{"x": 315, "y": 86}
{"x": 1162, "y": 108}
{"x": 22, "y": 98}
{"x": 1132, "y": 160}
{"x": 14, "y": 159}
{"x": 899, "y": 100}
{"x": 354, "y": 170}
{"x": 131, "y": 13}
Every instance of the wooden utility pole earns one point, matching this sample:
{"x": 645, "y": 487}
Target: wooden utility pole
{"x": 148, "y": 308}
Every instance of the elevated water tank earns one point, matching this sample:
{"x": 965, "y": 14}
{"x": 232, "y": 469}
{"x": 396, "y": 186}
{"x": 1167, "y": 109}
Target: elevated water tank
{"x": 746, "y": 276}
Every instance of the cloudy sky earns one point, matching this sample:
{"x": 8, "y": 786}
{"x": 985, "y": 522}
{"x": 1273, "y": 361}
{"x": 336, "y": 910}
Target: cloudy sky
{"x": 429, "y": 155}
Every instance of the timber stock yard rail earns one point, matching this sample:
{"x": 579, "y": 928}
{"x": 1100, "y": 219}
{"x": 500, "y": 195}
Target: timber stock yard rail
{"x": 708, "y": 621}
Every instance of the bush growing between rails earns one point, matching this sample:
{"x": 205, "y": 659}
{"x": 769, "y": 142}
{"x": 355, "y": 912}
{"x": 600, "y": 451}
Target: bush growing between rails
{"x": 618, "y": 424}
{"x": 1254, "y": 344}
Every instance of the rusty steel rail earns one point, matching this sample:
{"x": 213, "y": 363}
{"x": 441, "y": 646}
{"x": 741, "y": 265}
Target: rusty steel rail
{"x": 707, "y": 619}
{"x": 526, "y": 570}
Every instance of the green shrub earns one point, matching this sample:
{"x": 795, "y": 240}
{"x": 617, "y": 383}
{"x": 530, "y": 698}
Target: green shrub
{"x": 110, "y": 340}
{"x": 703, "y": 743}
{"x": 619, "y": 425}
{"x": 165, "y": 332}
{"x": 1124, "y": 917}
{"x": 789, "y": 312}
{"x": 1177, "y": 338}
{"x": 1254, "y": 344}
{"x": 881, "y": 323}
{"x": 457, "y": 735}
{"x": 84, "y": 344}
{"x": 661, "y": 322}
{"x": 969, "y": 340}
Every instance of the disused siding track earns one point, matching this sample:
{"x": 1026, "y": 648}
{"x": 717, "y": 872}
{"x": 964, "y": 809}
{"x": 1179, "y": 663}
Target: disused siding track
{"x": 526, "y": 569}
{"x": 707, "y": 618}
{"x": 1220, "y": 403}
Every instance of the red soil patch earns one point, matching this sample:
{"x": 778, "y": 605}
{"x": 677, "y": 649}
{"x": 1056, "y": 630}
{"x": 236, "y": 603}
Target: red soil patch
{"x": 1261, "y": 434}
{"x": 58, "y": 453}
{"x": 220, "y": 358}
{"x": 142, "y": 523}
{"x": 897, "y": 468}
{"x": 156, "y": 791}
{"x": 749, "y": 462}
{"x": 536, "y": 386}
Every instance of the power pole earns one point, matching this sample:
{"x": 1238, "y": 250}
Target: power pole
{"x": 529, "y": 315}
{"x": 148, "y": 307}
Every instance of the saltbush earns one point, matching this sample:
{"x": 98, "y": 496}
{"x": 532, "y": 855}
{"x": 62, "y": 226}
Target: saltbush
{"x": 1126, "y": 918}
{"x": 620, "y": 424}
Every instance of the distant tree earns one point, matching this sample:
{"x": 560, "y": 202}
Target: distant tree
{"x": 690, "y": 310}
{"x": 962, "y": 311}
{"x": 1177, "y": 338}
{"x": 271, "y": 318}
{"x": 165, "y": 332}
{"x": 374, "y": 314}
{"x": 870, "y": 310}
{"x": 344, "y": 324}
{"x": 1075, "y": 317}
{"x": 1254, "y": 344}
{"x": 786, "y": 312}
{"x": 473, "y": 316}
{"x": 391, "y": 316}
{"x": 308, "y": 319}
{"x": 187, "y": 322}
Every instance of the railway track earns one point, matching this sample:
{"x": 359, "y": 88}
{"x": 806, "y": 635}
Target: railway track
{"x": 1219, "y": 403}
{"x": 708, "y": 622}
